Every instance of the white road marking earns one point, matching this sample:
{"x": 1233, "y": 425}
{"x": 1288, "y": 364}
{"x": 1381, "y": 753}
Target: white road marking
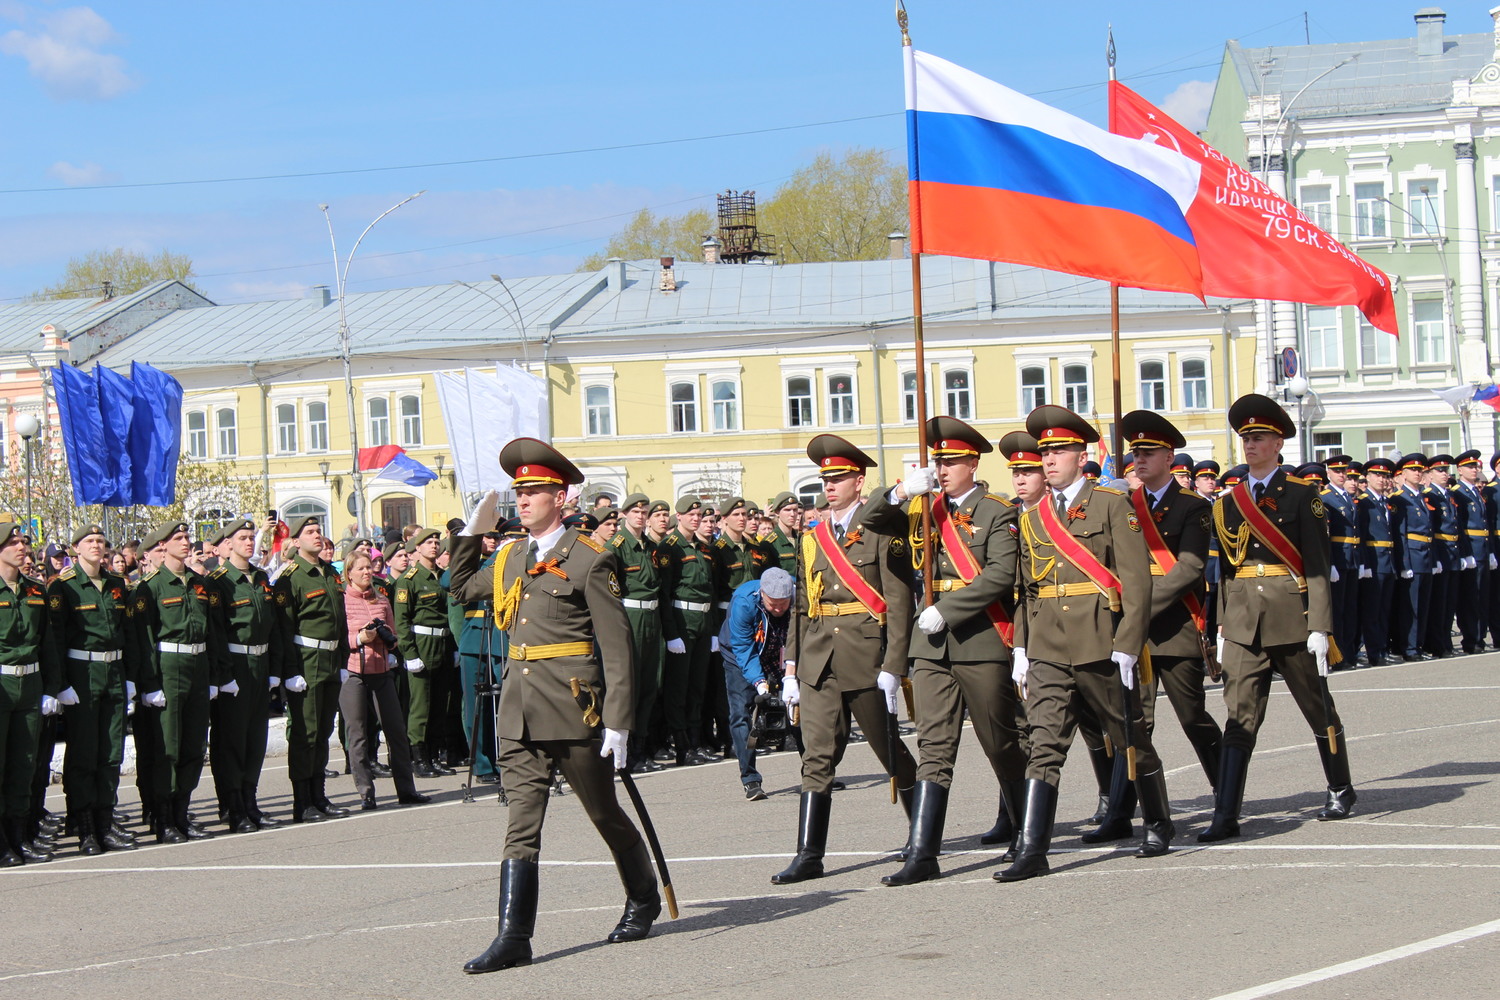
{"x": 1360, "y": 964}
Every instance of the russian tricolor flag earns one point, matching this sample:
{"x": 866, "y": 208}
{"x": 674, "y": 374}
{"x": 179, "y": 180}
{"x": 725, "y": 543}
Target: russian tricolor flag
{"x": 996, "y": 175}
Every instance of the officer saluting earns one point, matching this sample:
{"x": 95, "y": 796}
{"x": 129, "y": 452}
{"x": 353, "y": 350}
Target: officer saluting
{"x": 558, "y": 595}
{"x": 1275, "y": 610}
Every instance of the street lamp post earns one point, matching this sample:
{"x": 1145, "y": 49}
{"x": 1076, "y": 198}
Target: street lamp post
{"x": 28, "y": 426}
{"x": 341, "y": 277}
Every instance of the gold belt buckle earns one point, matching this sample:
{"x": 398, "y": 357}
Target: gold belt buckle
{"x": 1260, "y": 569}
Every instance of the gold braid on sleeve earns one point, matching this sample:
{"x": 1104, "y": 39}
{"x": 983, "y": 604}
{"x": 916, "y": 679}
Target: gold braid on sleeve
{"x": 914, "y": 535}
{"x": 507, "y": 601}
{"x": 814, "y": 580}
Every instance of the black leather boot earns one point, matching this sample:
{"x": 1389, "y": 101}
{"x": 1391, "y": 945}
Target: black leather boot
{"x": 88, "y": 840}
{"x": 1208, "y": 756}
{"x": 320, "y": 799}
{"x": 28, "y": 848}
{"x": 812, "y": 840}
{"x": 166, "y": 827}
{"x": 1104, "y": 776}
{"x": 929, "y": 809}
{"x": 1341, "y": 795}
{"x": 1229, "y": 793}
{"x": 682, "y": 748}
{"x": 421, "y": 764}
{"x": 303, "y": 811}
{"x": 180, "y": 819}
{"x": 9, "y": 856}
{"x": 512, "y": 946}
{"x": 1014, "y": 801}
{"x": 642, "y": 900}
{"x": 235, "y": 817}
{"x": 440, "y": 764}
{"x": 906, "y": 795}
{"x": 110, "y": 838}
{"x": 253, "y": 813}
{"x": 1036, "y": 833}
{"x": 1003, "y": 830}
{"x": 1156, "y": 815}
{"x": 1116, "y": 824}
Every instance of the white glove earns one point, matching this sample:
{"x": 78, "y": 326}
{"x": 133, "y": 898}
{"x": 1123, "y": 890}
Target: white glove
{"x": 1406, "y": 574}
{"x": 456, "y": 657}
{"x": 1470, "y": 562}
{"x": 889, "y": 684}
{"x": 233, "y": 687}
{"x": 486, "y": 511}
{"x": 273, "y": 683}
{"x": 1126, "y": 663}
{"x": 677, "y": 646}
{"x": 414, "y": 666}
{"x": 919, "y": 482}
{"x": 1494, "y": 562}
{"x": 791, "y": 694}
{"x": 930, "y": 621}
{"x": 1019, "y": 665}
{"x": 762, "y": 688}
{"x": 50, "y": 705}
{"x": 129, "y": 690}
{"x": 67, "y": 697}
{"x": 1219, "y": 647}
{"x": 296, "y": 685}
{"x": 1437, "y": 568}
{"x": 156, "y": 699}
{"x": 1333, "y": 574}
{"x": 343, "y": 676}
{"x": 713, "y": 644}
{"x": 1317, "y": 645}
{"x": 130, "y": 708}
{"x": 1365, "y": 572}
{"x": 391, "y": 661}
{"x": 213, "y": 692}
{"x": 614, "y": 745}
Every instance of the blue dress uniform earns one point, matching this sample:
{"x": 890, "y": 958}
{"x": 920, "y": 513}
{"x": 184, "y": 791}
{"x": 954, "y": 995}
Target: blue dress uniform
{"x": 1379, "y": 524}
{"x": 1414, "y": 594}
{"x": 1450, "y": 548}
{"x": 467, "y": 622}
{"x": 1473, "y": 581}
{"x": 1344, "y": 550}
{"x": 1491, "y": 494}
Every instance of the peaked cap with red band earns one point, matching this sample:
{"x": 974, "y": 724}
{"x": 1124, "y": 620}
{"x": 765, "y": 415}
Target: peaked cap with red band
{"x": 530, "y": 462}
{"x": 835, "y": 456}
{"x": 950, "y": 437}
{"x": 1021, "y": 450}
{"x": 1056, "y": 425}
{"x": 1254, "y": 412}
{"x": 1147, "y": 429}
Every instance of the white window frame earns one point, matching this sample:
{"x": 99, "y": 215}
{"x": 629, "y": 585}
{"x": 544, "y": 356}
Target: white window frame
{"x": 1183, "y": 360}
{"x": 409, "y": 422}
{"x": 593, "y": 378}
{"x": 287, "y": 431}
{"x": 689, "y": 407}
{"x": 199, "y": 453}
{"x": 372, "y": 439}
{"x": 727, "y": 413}
{"x": 829, "y": 406}
{"x": 1166, "y": 383}
{"x": 1375, "y": 438}
{"x": 1026, "y": 404}
{"x": 1068, "y": 397}
{"x": 1377, "y": 205}
{"x": 312, "y": 426}
{"x": 1424, "y": 213}
{"x": 964, "y": 393}
{"x": 806, "y": 405}
{"x": 1429, "y": 442}
{"x": 1422, "y": 339}
{"x": 232, "y": 448}
{"x": 1382, "y": 343}
{"x": 908, "y": 395}
{"x": 1327, "y": 218}
{"x": 1332, "y": 444}
{"x": 1336, "y": 339}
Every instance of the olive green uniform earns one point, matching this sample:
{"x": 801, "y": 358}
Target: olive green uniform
{"x": 93, "y": 622}
{"x": 29, "y": 668}
{"x": 642, "y": 572}
{"x": 690, "y": 585}
{"x": 310, "y": 599}
{"x": 257, "y": 649}
{"x": 425, "y": 644}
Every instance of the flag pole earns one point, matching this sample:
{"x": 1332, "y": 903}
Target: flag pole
{"x": 915, "y": 212}
{"x": 1116, "y": 440}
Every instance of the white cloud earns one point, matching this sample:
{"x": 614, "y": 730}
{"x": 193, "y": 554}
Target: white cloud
{"x": 83, "y": 175}
{"x": 64, "y": 53}
{"x": 1189, "y": 103}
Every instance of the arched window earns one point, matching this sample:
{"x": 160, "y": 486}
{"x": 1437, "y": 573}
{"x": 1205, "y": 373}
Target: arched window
{"x": 286, "y": 428}
{"x": 726, "y": 406}
{"x": 317, "y": 426}
{"x": 1076, "y": 388}
{"x": 411, "y": 421}
{"x": 380, "y": 422}
{"x": 229, "y": 440}
{"x": 1153, "y": 385}
{"x": 957, "y": 393}
{"x": 799, "y": 402}
{"x": 684, "y": 407}
{"x": 840, "y": 399}
{"x": 305, "y": 507}
{"x": 1033, "y": 388}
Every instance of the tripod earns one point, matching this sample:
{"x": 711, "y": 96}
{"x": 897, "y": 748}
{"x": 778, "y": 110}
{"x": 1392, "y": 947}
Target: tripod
{"x": 484, "y": 688}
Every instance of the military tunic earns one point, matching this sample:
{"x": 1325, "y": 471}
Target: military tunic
{"x": 1344, "y": 551}
{"x": 1379, "y": 523}
{"x": 643, "y": 568}
{"x": 257, "y": 649}
{"x": 29, "y": 668}
{"x": 310, "y": 599}
{"x": 692, "y": 589}
{"x": 1474, "y": 584}
{"x": 421, "y": 607}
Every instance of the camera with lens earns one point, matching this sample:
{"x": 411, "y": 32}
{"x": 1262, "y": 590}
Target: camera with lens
{"x": 384, "y": 631}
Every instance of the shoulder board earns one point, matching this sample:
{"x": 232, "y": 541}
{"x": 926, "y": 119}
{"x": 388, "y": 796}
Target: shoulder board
{"x": 617, "y": 541}
{"x": 1109, "y": 489}
{"x": 411, "y": 574}
{"x": 722, "y": 542}
{"x": 1325, "y": 491}
{"x": 67, "y": 574}
{"x": 672, "y": 539}
{"x": 1000, "y": 499}
{"x": 1187, "y": 493}
{"x": 1298, "y": 480}
{"x": 216, "y": 573}
{"x": 152, "y": 574}
{"x": 588, "y": 540}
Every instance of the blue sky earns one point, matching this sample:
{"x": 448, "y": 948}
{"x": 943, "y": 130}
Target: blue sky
{"x": 163, "y": 92}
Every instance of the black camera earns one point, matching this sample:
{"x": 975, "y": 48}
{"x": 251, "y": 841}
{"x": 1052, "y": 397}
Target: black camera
{"x": 384, "y": 631}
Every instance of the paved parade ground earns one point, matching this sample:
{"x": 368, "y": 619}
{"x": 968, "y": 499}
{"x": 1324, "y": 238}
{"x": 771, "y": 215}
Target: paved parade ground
{"x": 1403, "y": 899}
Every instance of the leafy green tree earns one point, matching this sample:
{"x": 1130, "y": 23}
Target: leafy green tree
{"x": 650, "y": 235}
{"x": 121, "y": 271}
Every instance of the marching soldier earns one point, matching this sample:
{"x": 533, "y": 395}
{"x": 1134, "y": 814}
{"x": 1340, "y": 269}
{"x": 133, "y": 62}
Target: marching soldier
{"x": 690, "y": 582}
{"x": 1276, "y": 613}
{"x": 1414, "y": 597}
{"x": 847, "y": 653}
{"x": 1087, "y": 585}
{"x": 184, "y": 667}
{"x": 257, "y": 649}
{"x": 30, "y": 681}
{"x": 641, "y": 567}
{"x": 310, "y": 598}
{"x": 1451, "y": 551}
{"x": 1344, "y": 548}
{"x": 959, "y": 645}
{"x": 1379, "y": 523}
{"x": 421, "y": 607}
{"x": 558, "y": 595}
{"x": 89, "y": 609}
{"x": 1474, "y": 580}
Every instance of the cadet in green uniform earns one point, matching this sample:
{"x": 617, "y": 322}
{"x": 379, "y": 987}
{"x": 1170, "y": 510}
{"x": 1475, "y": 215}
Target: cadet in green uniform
{"x": 641, "y": 567}
{"x": 691, "y": 588}
{"x": 469, "y": 623}
{"x": 1086, "y": 576}
{"x": 257, "y": 649}
{"x": 421, "y": 606}
{"x": 183, "y": 667}
{"x": 786, "y": 510}
{"x": 958, "y": 644}
{"x": 847, "y": 646}
{"x": 30, "y": 681}
{"x": 90, "y": 612}
{"x": 1275, "y": 609}
{"x": 737, "y": 558}
{"x": 310, "y": 599}
{"x": 558, "y": 595}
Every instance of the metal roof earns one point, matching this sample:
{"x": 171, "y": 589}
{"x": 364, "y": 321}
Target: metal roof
{"x": 1386, "y": 76}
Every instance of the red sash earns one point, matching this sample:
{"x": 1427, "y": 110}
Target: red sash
{"x": 1164, "y": 557}
{"x": 967, "y": 566}
{"x": 845, "y": 571}
{"x": 1269, "y": 535}
{"x": 1074, "y": 551}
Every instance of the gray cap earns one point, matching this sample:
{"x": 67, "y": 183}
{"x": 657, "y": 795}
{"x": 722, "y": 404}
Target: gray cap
{"x": 777, "y": 584}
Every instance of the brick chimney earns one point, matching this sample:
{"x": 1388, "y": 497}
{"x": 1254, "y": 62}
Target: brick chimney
{"x": 710, "y": 250}
{"x": 897, "y": 245}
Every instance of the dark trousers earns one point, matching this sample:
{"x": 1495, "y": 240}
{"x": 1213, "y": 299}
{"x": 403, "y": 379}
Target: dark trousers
{"x": 941, "y": 691}
{"x": 1442, "y": 604}
{"x": 1473, "y": 602}
{"x": 183, "y": 723}
{"x": 309, "y": 724}
{"x": 237, "y": 734}
{"x": 526, "y": 776}
{"x": 1050, "y": 692}
{"x": 1346, "y": 612}
{"x": 1247, "y": 688}
{"x": 741, "y": 699}
{"x": 685, "y": 676}
{"x": 1412, "y": 599}
{"x": 360, "y": 695}
{"x": 20, "y": 735}
{"x": 826, "y": 710}
{"x": 1182, "y": 678}
{"x": 477, "y": 712}
{"x": 96, "y": 737}
{"x": 1377, "y": 598}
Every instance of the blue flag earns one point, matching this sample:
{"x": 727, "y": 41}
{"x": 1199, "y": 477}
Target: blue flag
{"x": 83, "y": 434}
{"x": 117, "y": 405}
{"x": 405, "y": 469}
{"x": 155, "y": 435}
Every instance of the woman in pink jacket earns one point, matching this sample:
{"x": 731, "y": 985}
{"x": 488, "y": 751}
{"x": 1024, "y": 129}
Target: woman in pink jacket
{"x": 369, "y": 682}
